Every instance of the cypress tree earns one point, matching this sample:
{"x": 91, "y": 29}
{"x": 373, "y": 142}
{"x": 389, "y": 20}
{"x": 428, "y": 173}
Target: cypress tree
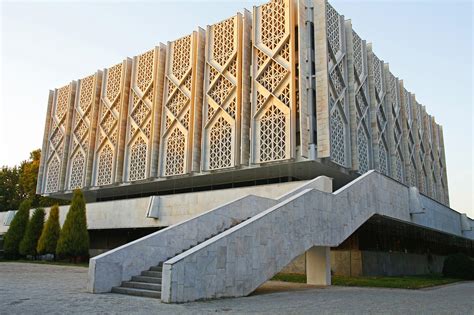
{"x": 33, "y": 231}
{"x": 49, "y": 236}
{"x": 74, "y": 239}
{"x": 17, "y": 229}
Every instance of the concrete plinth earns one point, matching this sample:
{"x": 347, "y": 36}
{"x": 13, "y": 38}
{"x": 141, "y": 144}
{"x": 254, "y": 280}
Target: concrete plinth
{"x": 318, "y": 265}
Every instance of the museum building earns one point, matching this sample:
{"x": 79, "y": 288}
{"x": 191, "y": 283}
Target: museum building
{"x": 273, "y": 140}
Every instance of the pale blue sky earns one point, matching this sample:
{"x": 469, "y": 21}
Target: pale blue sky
{"x": 429, "y": 44}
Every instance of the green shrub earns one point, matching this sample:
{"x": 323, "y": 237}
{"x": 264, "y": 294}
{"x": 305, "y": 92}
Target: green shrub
{"x": 16, "y": 231}
{"x": 49, "y": 236}
{"x": 33, "y": 231}
{"x": 458, "y": 266}
{"x": 74, "y": 239}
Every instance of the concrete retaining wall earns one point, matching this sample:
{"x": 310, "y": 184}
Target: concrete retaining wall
{"x": 171, "y": 209}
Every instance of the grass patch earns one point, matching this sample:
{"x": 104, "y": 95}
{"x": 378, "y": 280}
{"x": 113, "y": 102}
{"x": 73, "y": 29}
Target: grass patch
{"x": 290, "y": 277}
{"x": 405, "y": 282}
{"x": 45, "y": 262}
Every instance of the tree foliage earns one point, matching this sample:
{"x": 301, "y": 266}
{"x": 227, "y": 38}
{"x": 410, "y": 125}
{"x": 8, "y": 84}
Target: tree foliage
{"x": 19, "y": 183}
{"x": 16, "y": 231}
{"x": 9, "y": 188}
{"x": 33, "y": 231}
{"x": 74, "y": 238}
{"x": 49, "y": 236}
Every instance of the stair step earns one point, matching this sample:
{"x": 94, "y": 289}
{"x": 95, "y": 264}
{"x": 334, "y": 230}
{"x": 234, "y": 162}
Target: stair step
{"x": 146, "y": 279}
{"x": 155, "y": 274}
{"x": 137, "y": 292}
{"x": 142, "y": 285}
{"x": 160, "y": 268}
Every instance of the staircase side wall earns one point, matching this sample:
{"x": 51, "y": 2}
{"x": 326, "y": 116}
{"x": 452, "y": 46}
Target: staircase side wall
{"x": 240, "y": 259}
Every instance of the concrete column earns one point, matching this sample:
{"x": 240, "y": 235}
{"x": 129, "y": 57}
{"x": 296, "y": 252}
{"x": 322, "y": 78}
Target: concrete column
{"x": 318, "y": 265}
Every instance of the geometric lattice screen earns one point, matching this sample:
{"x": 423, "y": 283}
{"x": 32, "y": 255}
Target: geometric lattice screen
{"x": 144, "y": 113}
{"x": 442, "y": 165}
{"x": 224, "y": 92}
{"x": 430, "y": 157}
{"x": 363, "y": 140}
{"x": 83, "y": 131}
{"x": 380, "y": 119}
{"x": 289, "y": 82}
{"x": 411, "y": 156}
{"x": 108, "y": 158}
{"x": 421, "y": 149}
{"x": 396, "y": 145}
{"x": 273, "y": 82}
{"x": 58, "y": 139}
{"x": 181, "y": 118}
{"x": 438, "y": 192}
{"x": 338, "y": 87}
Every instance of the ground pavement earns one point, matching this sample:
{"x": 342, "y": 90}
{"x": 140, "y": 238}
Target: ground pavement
{"x": 41, "y": 289}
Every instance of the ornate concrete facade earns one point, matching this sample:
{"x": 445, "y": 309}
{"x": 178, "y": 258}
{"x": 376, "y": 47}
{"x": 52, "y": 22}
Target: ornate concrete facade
{"x": 290, "y": 82}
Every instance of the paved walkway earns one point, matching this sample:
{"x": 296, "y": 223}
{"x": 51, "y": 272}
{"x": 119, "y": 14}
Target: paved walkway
{"x": 41, "y": 289}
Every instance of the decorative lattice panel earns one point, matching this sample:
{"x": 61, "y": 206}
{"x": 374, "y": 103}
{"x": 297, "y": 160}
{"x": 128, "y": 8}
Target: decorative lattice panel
{"x": 412, "y": 174}
{"x": 338, "y": 87}
{"x": 52, "y": 175}
{"x": 181, "y": 118}
{"x": 273, "y": 81}
{"x": 383, "y": 158}
{"x": 77, "y": 175}
{"x": 176, "y": 151}
{"x": 111, "y": 124}
{"x": 362, "y": 104}
{"x": 58, "y": 139}
{"x": 397, "y": 145}
{"x": 440, "y": 163}
{"x": 409, "y": 140}
{"x": 338, "y": 136}
{"x": 420, "y": 147}
{"x": 423, "y": 181}
{"x": 144, "y": 110}
{"x": 442, "y": 166}
{"x": 223, "y": 94}
{"x": 429, "y": 156}
{"x": 105, "y": 165}
{"x": 435, "y": 166}
{"x": 220, "y": 146}
{"x": 380, "y": 120}
{"x": 399, "y": 168}
{"x": 363, "y": 152}
{"x": 83, "y": 131}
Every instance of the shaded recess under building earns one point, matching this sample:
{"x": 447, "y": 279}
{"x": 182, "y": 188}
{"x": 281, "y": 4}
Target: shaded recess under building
{"x": 384, "y": 246}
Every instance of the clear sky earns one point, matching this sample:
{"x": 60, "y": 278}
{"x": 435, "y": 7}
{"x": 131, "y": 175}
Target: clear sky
{"x": 46, "y": 44}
